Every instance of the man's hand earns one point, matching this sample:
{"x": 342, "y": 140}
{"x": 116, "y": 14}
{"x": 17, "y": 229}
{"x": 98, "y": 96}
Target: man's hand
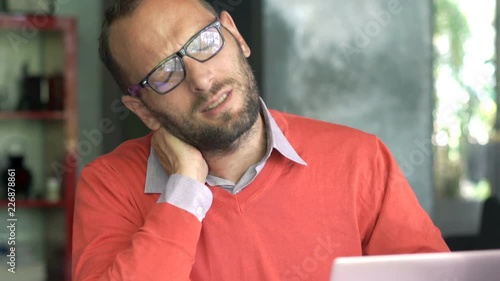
{"x": 178, "y": 157}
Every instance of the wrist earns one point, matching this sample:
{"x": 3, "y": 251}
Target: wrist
{"x": 193, "y": 174}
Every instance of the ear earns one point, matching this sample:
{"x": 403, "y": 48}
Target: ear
{"x": 228, "y": 23}
{"x": 137, "y": 106}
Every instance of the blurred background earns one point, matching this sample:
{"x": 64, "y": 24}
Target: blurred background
{"x": 421, "y": 75}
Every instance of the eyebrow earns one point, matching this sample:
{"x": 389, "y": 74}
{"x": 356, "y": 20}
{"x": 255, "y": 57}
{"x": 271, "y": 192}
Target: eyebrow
{"x": 159, "y": 60}
{"x": 193, "y": 34}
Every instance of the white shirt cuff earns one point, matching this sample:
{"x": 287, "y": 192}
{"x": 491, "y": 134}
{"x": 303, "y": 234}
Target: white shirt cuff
{"x": 187, "y": 194}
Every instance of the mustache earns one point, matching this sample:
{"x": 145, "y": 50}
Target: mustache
{"x": 204, "y": 96}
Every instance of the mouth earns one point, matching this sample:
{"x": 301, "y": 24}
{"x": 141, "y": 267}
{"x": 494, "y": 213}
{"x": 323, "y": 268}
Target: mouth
{"x": 216, "y": 101}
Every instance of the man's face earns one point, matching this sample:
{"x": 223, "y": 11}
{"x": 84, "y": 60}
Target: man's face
{"x": 218, "y": 101}
{"x": 217, "y": 129}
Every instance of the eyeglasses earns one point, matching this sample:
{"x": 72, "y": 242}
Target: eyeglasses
{"x": 170, "y": 73}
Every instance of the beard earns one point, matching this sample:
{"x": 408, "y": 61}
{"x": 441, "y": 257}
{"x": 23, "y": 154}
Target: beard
{"x": 217, "y": 139}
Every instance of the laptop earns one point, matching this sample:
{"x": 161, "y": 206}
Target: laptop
{"x": 483, "y": 265}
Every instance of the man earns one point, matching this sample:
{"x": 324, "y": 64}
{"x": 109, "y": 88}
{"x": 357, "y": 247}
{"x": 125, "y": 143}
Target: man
{"x": 223, "y": 188}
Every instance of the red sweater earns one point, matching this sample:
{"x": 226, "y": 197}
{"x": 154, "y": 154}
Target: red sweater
{"x": 290, "y": 223}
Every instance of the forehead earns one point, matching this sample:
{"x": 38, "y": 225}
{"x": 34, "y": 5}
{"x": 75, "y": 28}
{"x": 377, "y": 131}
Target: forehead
{"x": 157, "y": 29}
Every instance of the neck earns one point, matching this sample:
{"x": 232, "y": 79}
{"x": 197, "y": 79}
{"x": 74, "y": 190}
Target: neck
{"x": 248, "y": 150}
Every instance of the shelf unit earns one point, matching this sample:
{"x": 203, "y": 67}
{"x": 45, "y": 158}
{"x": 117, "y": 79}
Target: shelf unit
{"x": 48, "y": 45}
{"x": 35, "y": 204}
{"x": 42, "y": 115}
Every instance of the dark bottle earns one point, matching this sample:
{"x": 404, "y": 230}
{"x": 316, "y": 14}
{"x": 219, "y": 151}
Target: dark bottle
{"x": 22, "y": 177}
{"x": 3, "y": 6}
{"x": 31, "y": 91}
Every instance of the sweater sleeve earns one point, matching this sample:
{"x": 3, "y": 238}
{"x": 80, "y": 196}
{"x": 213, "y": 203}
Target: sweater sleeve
{"x": 111, "y": 241}
{"x": 398, "y": 224}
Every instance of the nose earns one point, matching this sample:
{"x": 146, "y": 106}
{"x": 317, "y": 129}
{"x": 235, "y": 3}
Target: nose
{"x": 199, "y": 76}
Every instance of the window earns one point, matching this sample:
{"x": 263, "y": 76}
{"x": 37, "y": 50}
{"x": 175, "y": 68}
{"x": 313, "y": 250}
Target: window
{"x": 465, "y": 97}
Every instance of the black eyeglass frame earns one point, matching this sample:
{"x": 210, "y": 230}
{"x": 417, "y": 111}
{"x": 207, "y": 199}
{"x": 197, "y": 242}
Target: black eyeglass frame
{"x": 134, "y": 89}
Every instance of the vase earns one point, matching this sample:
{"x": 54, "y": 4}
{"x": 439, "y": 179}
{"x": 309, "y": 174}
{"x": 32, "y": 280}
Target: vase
{"x": 21, "y": 177}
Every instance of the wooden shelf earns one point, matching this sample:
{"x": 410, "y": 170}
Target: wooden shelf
{"x": 53, "y": 45}
{"x": 32, "y": 115}
{"x": 36, "y": 22}
{"x": 34, "y": 204}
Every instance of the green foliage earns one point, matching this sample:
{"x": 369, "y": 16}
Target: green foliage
{"x": 451, "y": 22}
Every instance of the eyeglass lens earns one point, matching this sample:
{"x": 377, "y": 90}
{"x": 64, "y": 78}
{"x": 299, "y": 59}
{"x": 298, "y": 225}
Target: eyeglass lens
{"x": 168, "y": 75}
{"x": 202, "y": 48}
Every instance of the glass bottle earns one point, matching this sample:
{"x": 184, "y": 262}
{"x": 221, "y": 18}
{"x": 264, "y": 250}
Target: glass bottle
{"x": 22, "y": 175}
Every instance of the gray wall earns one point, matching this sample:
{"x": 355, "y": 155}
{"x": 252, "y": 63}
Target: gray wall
{"x": 89, "y": 15}
{"x": 365, "y": 63}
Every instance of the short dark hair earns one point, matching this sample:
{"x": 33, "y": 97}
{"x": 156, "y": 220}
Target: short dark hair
{"x": 122, "y": 9}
